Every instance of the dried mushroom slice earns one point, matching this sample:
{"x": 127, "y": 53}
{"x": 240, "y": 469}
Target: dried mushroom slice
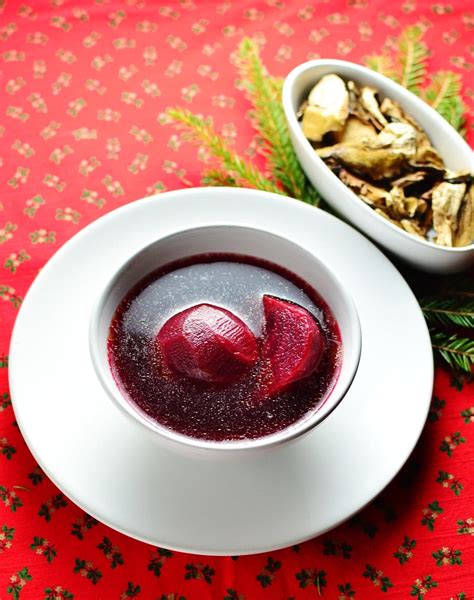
{"x": 446, "y": 201}
{"x": 382, "y": 157}
{"x": 369, "y": 102}
{"x": 400, "y": 206}
{"x": 412, "y": 205}
{"x": 328, "y": 108}
{"x": 426, "y": 221}
{"x": 356, "y": 108}
{"x": 393, "y": 111}
{"x": 376, "y": 164}
{"x": 383, "y": 214}
{"x": 410, "y": 179}
{"x": 355, "y": 131}
{"x": 465, "y": 229}
{"x": 354, "y": 96}
{"x": 371, "y": 194}
{"x": 426, "y": 155}
{"x": 397, "y": 136}
{"x": 422, "y": 206}
{"x": 412, "y": 227}
{"x": 396, "y": 203}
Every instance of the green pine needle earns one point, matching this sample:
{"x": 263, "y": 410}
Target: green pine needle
{"x": 217, "y": 177}
{"x": 201, "y": 132}
{"x": 452, "y": 307}
{"x": 444, "y": 95}
{"x": 264, "y": 92}
{"x": 412, "y": 57}
{"x": 458, "y": 311}
{"x": 457, "y": 351}
{"x": 444, "y": 85}
{"x": 455, "y": 115}
{"x": 383, "y": 64}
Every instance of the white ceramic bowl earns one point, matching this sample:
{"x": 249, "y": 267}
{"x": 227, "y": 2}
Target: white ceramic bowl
{"x": 455, "y": 152}
{"x": 233, "y": 239}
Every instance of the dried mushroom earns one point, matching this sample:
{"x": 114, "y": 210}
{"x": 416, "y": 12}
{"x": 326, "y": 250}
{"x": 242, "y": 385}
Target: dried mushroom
{"x": 446, "y": 202}
{"x": 465, "y": 230}
{"x": 369, "y": 102}
{"x": 369, "y": 193}
{"x": 327, "y": 108}
{"x": 354, "y": 130}
{"x": 384, "y": 156}
{"x": 381, "y": 156}
{"x": 412, "y": 227}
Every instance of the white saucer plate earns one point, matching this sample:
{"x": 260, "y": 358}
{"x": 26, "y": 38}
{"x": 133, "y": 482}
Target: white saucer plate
{"x": 248, "y": 504}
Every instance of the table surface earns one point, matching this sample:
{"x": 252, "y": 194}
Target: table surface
{"x": 84, "y": 87}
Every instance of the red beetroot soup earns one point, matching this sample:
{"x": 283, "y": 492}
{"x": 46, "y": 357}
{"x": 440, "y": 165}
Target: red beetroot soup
{"x": 248, "y": 404}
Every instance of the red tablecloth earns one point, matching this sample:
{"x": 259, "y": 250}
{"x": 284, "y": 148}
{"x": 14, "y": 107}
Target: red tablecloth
{"x": 83, "y": 90}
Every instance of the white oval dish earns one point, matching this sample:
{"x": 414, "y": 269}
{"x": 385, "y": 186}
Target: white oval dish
{"x": 455, "y": 152}
{"x": 257, "y": 502}
{"x": 232, "y": 239}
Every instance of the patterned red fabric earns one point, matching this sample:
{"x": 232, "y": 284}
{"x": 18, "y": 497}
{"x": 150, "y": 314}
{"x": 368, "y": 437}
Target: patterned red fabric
{"x": 83, "y": 90}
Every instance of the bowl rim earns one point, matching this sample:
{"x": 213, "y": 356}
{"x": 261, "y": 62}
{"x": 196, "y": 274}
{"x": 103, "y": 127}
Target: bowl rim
{"x": 293, "y": 123}
{"x": 156, "y": 429}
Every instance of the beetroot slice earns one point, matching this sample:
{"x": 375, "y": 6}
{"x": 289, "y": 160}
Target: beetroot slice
{"x": 207, "y": 342}
{"x": 293, "y": 343}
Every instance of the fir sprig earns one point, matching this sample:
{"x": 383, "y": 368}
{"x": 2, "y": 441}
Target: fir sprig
{"x": 231, "y": 169}
{"x": 217, "y": 177}
{"x": 412, "y": 57}
{"x": 264, "y": 93}
{"x": 444, "y": 86}
{"x": 455, "y": 116}
{"x": 201, "y": 132}
{"x": 444, "y": 95}
{"x": 450, "y": 316}
{"x": 383, "y": 64}
{"x": 452, "y": 311}
{"x": 457, "y": 351}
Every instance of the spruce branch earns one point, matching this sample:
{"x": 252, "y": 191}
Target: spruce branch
{"x": 264, "y": 92}
{"x": 217, "y": 177}
{"x": 444, "y": 85}
{"x": 457, "y": 311}
{"x": 444, "y": 95}
{"x": 457, "y": 351}
{"x": 449, "y": 313}
{"x": 201, "y": 132}
{"x": 455, "y": 115}
{"x": 383, "y": 64}
{"x": 412, "y": 56}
